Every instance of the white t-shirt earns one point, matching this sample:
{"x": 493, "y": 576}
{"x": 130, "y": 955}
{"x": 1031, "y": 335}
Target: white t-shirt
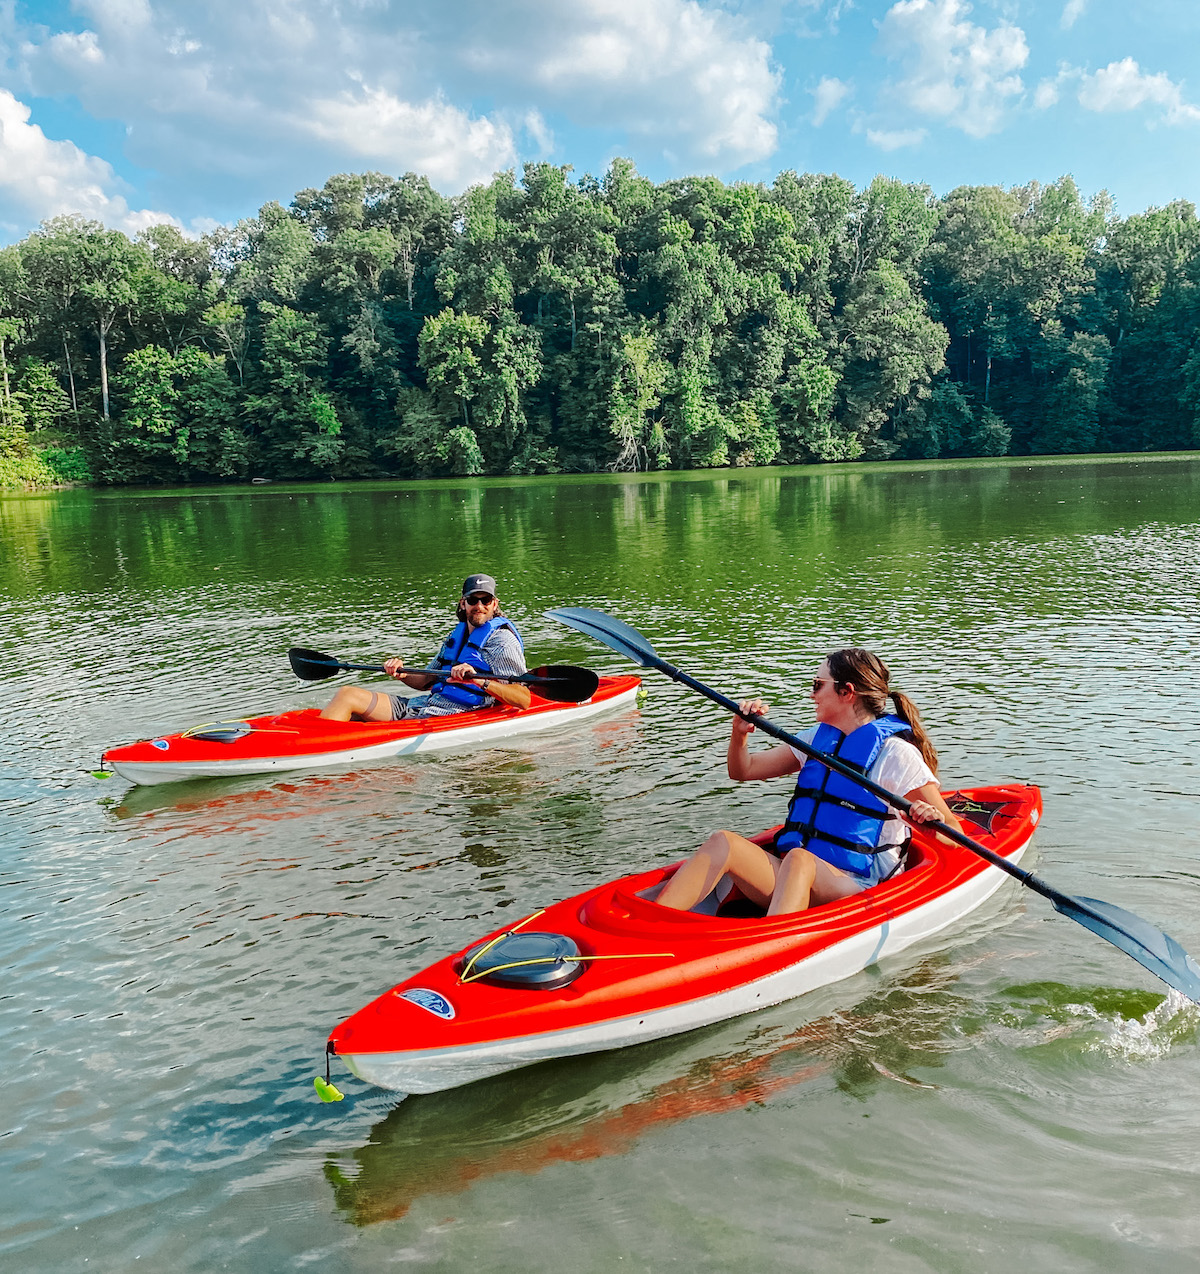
{"x": 900, "y": 768}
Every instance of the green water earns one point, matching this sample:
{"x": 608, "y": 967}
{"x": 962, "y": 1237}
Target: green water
{"x": 1015, "y": 1094}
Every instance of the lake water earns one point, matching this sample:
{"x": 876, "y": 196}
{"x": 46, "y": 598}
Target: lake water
{"x": 1015, "y": 1095}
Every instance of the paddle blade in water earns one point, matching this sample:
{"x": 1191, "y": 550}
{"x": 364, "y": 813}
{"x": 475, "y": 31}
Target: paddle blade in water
{"x": 612, "y": 632}
{"x": 101, "y": 774}
{"x": 1150, "y": 947}
{"x": 311, "y": 665}
{"x": 565, "y": 684}
{"x": 327, "y": 1091}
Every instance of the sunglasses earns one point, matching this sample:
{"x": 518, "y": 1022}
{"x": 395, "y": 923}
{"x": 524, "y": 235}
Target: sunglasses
{"x": 480, "y": 599}
{"x": 818, "y": 682}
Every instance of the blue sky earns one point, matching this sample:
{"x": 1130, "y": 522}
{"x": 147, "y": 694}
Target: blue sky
{"x": 134, "y": 111}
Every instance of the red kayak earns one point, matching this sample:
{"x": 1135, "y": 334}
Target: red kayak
{"x": 301, "y": 740}
{"x": 610, "y": 967}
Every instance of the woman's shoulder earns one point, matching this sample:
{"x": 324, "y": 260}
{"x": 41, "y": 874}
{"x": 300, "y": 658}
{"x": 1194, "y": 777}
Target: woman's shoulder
{"x": 806, "y": 735}
{"x": 906, "y": 760}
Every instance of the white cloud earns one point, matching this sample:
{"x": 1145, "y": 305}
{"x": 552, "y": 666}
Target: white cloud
{"x": 894, "y": 139}
{"x": 1072, "y": 12}
{"x": 42, "y": 178}
{"x": 276, "y": 94}
{"x": 829, "y": 95}
{"x": 434, "y": 138}
{"x": 1122, "y": 86}
{"x": 1046, "y": 94}
{"x": 955, "y": 70}
{"x": 685, "y": 77}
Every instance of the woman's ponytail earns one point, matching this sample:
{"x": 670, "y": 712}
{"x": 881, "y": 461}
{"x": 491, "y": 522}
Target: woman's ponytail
{"x": 906, "y": 710}
{"x": 867, "y": 675}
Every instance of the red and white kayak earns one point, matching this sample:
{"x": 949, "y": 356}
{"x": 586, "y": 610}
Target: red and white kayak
{"x": 301, "y": 740}
{"x": 610, "y": 967}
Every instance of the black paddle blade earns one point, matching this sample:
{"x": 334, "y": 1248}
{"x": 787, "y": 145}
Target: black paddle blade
{"x": 1150, "y": 947}
{"x": 311, "y": 665}
{"x": 565, "y": 684}
{"x": 612, "y": 632}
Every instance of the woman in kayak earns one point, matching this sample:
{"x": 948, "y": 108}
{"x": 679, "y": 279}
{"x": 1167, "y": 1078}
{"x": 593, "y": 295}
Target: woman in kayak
{"x": 483, "y": 641}
{"x": 839, "y": 838}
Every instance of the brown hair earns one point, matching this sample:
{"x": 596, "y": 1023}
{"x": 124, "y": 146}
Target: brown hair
{"x": 867, "y": 675}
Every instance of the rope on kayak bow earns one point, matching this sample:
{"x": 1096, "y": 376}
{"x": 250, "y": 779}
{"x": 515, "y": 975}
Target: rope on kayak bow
{"x": 487, "y": 946}
{"x": 231, "y": 731}
{"x": 561, "y": 959}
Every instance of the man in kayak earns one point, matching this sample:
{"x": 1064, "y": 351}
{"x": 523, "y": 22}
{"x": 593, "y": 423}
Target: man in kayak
{"x": 482, "y": 642}
{"x": 839, "y": 839}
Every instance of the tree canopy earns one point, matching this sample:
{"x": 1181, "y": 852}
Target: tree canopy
{"x": 544, "y": 324}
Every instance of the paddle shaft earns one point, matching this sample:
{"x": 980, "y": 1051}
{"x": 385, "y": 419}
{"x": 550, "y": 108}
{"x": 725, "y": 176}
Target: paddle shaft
{"x": 524, "y": 678}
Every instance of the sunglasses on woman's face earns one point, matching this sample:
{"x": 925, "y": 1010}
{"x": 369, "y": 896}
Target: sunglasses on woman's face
{"x": 818, "y": 682}
{"x": 480, "y": 599}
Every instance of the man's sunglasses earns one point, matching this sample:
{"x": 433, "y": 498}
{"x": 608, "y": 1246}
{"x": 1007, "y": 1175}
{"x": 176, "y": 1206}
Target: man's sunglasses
{"x": 480, "y": 599}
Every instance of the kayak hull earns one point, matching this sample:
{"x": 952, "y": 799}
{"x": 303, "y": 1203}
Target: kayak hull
{"x": 719, "y": 971}
{"x": 300, "y": 740}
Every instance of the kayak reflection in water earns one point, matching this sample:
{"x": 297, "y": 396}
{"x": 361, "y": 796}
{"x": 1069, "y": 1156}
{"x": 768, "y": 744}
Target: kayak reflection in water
{"x": 483, "y": 641}
{"x": 839, "y": 839}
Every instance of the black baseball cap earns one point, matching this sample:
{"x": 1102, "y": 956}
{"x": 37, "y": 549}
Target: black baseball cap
{"x": 479, "y": 584}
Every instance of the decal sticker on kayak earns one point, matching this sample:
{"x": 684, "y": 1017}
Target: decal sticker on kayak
{"x": 161, "y": 744}
{"x": 436, "y": 1004}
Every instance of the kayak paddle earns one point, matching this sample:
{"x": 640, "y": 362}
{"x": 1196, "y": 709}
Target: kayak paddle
{"x": 1150, "y": 947}
{"x": 559, "y": 683}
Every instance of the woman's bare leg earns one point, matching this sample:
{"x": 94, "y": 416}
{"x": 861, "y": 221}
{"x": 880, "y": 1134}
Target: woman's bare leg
{"x": 355, "y": 703}
{"x": 724, "y": 853}
{"x": 805, "y": 879}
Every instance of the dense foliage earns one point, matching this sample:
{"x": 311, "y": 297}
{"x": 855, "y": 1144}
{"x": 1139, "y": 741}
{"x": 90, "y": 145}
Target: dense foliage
{"x": 376, "y": 328}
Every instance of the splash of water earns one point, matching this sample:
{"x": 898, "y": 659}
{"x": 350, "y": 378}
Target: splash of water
{"x": 1148, "y": 1038}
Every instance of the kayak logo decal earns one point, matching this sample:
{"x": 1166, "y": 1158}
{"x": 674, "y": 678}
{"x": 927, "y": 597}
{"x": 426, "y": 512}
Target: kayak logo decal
{"x": 161, "y": 744}
{"x": 432, "y": 1001}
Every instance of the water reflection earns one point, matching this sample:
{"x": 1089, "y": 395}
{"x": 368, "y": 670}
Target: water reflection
{"x": 598, "y": 1107}
{"x": 186, "y": 949}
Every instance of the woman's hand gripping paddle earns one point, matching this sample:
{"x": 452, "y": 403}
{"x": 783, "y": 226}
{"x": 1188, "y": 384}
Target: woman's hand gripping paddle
{"x": 1150, "y": 947}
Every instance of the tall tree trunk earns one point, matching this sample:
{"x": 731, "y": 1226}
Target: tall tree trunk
{"x": 987, "y": 384}
{"x": 71, "y": 378}
{"x": 573, "y": 325}
{"x": 103, "y": 330}
{"x": 4, "y": 364}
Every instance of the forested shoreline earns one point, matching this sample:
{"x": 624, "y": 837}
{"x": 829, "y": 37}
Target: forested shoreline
{"x": 375, "y": 328}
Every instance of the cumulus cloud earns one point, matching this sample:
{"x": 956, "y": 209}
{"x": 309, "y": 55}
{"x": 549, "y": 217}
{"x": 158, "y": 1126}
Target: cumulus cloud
{"x": 686, "y": 77}
{"x": 895, "y": 138}
{"x": 953, "y": 69}
{"x": 1123, "y": 86}
{"x": 1046, "y": 94}
{"x": 434, "y": 138}
{"x": 42, "y": 178}
{"x": 279, "y": 93}
{"x": 829, "y": 95}
{"x": 1072, "y": 12}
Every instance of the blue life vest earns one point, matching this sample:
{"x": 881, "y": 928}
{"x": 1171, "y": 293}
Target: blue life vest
{"x": 466, "y": 647}
{"x": 832, "y": 816}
